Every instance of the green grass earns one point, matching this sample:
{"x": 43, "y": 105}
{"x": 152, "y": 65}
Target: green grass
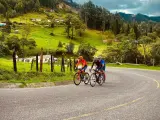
{"x": 138, "y": 66}
{"x": 44, "y": 39}
{"x": 25, "y": 18}
{"x": 25, "y": 74}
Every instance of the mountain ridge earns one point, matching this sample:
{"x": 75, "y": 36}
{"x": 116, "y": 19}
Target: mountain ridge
{"x": 139, "y": 17}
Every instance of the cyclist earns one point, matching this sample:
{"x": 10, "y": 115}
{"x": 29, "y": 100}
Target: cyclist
{"x": 100, "y": 65}
{"x": 82, "y": 61}
{"x": 102, "y": 62}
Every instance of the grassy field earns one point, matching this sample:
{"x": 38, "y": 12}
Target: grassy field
{"x": 137, "y": 66}
{"x": 44, "y": 39}
{"x": 25, "y": 74}
{"x": 25, "y": 18}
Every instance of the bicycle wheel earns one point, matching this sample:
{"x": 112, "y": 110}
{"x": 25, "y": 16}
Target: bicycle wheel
{"x": 101, "y": 79}
{"x": 77, "y": 79}
{"x": 86, "y": 78}
{"x": 93, "y": 80}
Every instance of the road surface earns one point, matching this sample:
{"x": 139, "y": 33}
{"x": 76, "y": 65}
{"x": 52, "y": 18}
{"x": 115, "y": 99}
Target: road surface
{"x": 128, "y": 94}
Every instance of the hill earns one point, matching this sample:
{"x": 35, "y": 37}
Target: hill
{"x": 139, "y": 17}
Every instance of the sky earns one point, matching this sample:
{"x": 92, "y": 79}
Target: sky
{"x": 147, "y": 7}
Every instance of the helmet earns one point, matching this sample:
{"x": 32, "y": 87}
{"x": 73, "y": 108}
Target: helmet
{"x": 80, "y": 57}
{"x": 95, "y": 59}
{"x": 99, "y": 57}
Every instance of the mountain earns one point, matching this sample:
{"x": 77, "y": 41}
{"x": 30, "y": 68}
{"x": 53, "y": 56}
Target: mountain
{"x": 139, "y": 17}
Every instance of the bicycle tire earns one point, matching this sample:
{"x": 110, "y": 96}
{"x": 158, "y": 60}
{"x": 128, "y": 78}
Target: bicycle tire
{"x": 86, "y": 76}
{"x": 101, "y": 79}
{"x": 93, "y": 79}
{"x": 75, "y": 78}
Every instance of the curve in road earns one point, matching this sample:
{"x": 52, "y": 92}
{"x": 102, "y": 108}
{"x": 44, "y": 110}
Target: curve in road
{"x": 128, "y": 94}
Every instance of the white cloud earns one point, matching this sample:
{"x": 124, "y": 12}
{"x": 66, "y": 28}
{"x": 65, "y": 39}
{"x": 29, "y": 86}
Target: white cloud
{"x": 148, "y": 7}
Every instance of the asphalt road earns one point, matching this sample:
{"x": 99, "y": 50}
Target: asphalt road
{"x": 128, "y": 94}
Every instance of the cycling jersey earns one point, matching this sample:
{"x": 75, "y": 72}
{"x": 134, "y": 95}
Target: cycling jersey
{"x": 83, "y": 62}
{"x": 103, "y": 64}
{"x": 98, "y": 64}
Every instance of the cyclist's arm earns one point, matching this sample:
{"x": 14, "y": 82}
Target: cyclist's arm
{"x": 92, "y": 65}
{"x": 78, "y": 63}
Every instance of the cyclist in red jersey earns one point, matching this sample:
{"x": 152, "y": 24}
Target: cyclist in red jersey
{"x": 82, "y": 61}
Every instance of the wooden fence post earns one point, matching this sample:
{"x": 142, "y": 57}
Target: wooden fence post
{"x": 37, "y": 62}
{"x": 52, "y": 63}
{"x": 41, "y": 60}
{"x": 62, "y": 65}
{"x": 70, "y": 65}
{"x": 14, "y": 61}
{"x": 32, "y": 64}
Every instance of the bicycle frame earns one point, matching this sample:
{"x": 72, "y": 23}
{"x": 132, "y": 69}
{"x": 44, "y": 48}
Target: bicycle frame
{"x": 79, "y": 73}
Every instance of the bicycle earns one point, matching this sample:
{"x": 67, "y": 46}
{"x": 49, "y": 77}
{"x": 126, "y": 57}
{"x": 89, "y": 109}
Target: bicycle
{"x": 81, "y": 76}
{"x": 97, "y": 77}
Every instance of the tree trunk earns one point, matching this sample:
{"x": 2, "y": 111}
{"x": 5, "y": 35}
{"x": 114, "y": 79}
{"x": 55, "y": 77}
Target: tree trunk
{"x": 62, "y": 65}
{"x": 68, "y": 30}
{"x": 144, "y": 50}
{"x": 14, "y": 61}
{"x": 72, "y": 32}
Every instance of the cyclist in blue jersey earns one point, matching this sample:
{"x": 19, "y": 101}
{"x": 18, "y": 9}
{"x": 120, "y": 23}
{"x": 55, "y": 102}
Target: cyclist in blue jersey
{"x": 100, "y": 64}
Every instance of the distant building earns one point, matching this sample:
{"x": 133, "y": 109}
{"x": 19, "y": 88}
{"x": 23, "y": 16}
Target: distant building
{"x": 35, "y": 20}
{"x": 2, "y": 24}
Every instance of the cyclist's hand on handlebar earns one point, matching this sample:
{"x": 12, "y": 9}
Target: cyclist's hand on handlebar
{"x": 76, "y": 68}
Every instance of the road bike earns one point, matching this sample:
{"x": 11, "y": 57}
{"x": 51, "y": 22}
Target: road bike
{"x": 97, "y": 77}
{"x": 81, "y": 76}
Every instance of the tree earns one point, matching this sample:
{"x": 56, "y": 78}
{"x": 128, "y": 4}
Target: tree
{"x": 145, "y": 40}
{"x": 143, "y": 28}
{"x": 156, "y": 52}
{"x": 60, "y": 45}
{"x": 3, "y": 48}
{"x": 13, "y": 43}
{"x": 2, "y": 9}
{"x": 70, "y": 48}
{"x": 19, "y": 7}
{"x": 136, "y": 31}
{"x": 157, "y": 29}
{"x": 26, "y": 31}
{"x": 87, "y": 51}
{"x": 68, "y": 21}
{"x": 128, "y": 29}
{"x": 37, "y": 5}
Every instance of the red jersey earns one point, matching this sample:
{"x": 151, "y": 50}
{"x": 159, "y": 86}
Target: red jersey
{"x": 83, "y": 62}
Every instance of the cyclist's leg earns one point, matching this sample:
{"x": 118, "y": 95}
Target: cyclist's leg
{"x": 83, "y": 73}
{"x": 84, "y": 68}
{"x": 104, "y": 72}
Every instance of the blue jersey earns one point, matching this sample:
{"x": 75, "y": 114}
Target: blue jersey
{"x": 103, "y": 64}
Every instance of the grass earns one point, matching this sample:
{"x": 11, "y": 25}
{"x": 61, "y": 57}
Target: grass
{"x": 138, "y": 66}
{"x": 25, "y": 18}
{"x": 43, "y": 38}
{"x": 25, "y": 74}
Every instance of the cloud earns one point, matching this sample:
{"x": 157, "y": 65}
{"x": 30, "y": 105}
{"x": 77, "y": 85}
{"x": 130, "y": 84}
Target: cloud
{"x": 148, "y": 7}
